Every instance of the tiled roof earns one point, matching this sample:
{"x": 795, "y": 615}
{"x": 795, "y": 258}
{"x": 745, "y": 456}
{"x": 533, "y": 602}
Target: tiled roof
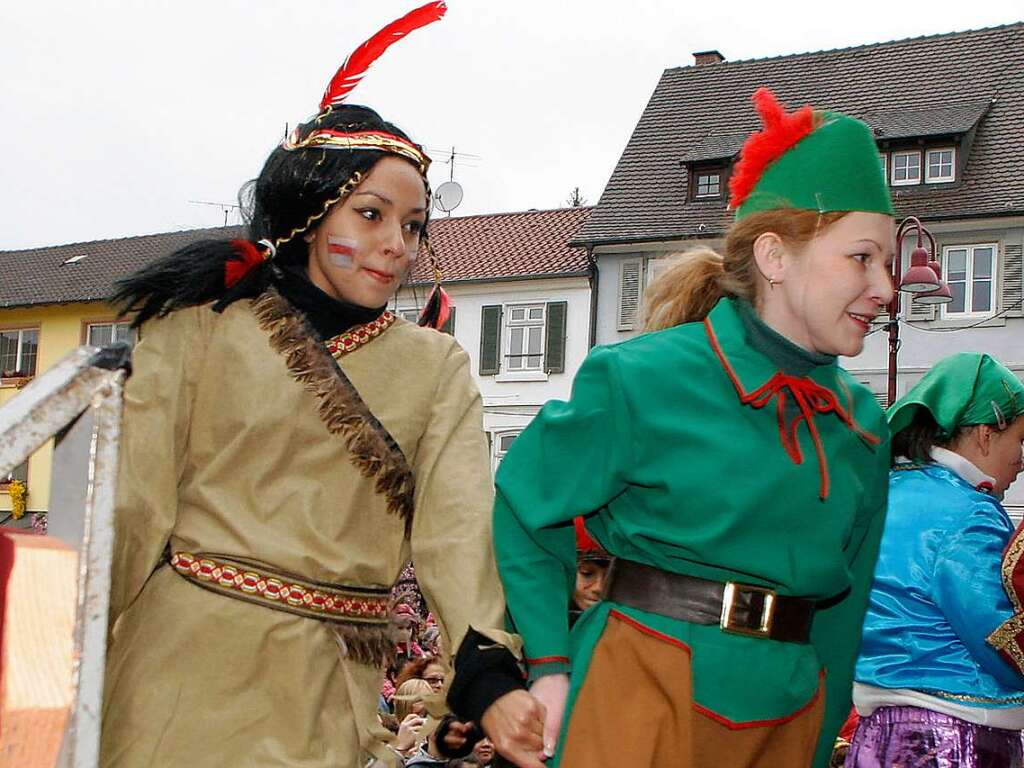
{"x": 63, "y": 274}
{"x": 942, "y": 81}
{"x": 715, "y": 147}
{"x": 500, "y": 246}
{"x": 494, "y": 246}
{"x": 947, "y": 119}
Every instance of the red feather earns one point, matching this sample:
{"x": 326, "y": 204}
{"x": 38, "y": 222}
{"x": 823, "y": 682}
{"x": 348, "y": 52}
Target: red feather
{"x": 361, "y": 58}
{"x": 248, "y": 258}
{"x": 781, "y": 132}
{"x": 437, "y": 310}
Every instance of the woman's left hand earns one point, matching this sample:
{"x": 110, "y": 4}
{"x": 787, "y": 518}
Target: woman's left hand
{"x": 515, "y": 725}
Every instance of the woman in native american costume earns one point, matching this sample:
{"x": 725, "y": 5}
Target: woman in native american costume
{"x": 288, "y": 446}
{"x": 733, "y": 470}
{"x": 940, "y": 677}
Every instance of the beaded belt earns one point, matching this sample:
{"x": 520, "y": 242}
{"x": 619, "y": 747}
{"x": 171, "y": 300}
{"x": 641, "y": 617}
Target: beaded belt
{"x": 256, "y": 583}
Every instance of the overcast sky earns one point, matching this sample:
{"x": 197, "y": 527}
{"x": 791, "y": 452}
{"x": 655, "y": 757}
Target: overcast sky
{"x": 116, "y": 114}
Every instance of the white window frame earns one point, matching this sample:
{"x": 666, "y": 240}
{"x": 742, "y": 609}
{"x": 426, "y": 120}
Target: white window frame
{"x": 884, "y": 158}
{"x": 893, "y": 169}
{"x": 518, "y": 361}
{"x": 112, "y": 325}
{"x": 657, "y": 266}
{"x": 21, "y": 341}
{"x": 698, "y": 176}
{"x": 408, "y": 313}
{"x": 969, "y": 281}
{"x": 928, "y": 178}
{"x": 499, "y": 454}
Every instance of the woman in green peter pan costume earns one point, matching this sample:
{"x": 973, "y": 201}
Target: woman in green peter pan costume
{"x": 734, "y": 470}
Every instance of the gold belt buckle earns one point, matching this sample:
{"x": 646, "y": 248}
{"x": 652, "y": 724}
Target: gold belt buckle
{"x": 732, "y": 590}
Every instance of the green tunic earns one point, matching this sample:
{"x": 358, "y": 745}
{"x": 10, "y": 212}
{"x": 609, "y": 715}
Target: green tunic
{"x": 658, "y": 448}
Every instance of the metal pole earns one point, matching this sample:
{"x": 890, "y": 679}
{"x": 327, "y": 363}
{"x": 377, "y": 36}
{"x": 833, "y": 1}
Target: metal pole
{"x": 894, "y": 305}
{"x": 894, "y": 325}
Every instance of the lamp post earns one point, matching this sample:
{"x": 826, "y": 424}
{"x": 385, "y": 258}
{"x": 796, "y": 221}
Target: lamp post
{"x": 922, "y": 279}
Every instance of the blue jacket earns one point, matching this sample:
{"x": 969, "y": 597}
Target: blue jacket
{"x": 937, "y": 592}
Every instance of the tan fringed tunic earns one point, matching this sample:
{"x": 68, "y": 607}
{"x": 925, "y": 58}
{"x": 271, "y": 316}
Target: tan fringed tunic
{"x": 241, "y": 440}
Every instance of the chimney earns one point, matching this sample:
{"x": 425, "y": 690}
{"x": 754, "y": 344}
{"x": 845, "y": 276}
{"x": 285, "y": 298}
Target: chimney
{"x": 704, "y": 58}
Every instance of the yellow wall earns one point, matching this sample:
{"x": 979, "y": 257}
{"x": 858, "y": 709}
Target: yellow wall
{"x": 60, "y": 330}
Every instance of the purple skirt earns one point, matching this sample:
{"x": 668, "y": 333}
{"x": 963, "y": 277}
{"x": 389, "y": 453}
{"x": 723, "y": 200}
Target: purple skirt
{"x": 911, "y": 737}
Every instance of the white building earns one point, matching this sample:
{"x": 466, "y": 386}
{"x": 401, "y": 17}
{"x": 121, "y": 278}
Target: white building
{"x": 523, "y": 308}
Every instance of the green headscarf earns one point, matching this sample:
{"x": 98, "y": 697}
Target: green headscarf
{"x": 960, "y": 390}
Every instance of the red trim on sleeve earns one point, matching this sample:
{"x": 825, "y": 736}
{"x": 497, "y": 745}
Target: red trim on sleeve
{"x": 548, "y": 660}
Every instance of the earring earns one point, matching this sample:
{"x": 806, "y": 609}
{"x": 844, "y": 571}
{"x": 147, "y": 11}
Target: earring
{"x": 771, "y": 283}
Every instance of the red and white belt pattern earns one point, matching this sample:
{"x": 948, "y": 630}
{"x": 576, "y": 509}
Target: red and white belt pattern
{"x": 262, "y": 586}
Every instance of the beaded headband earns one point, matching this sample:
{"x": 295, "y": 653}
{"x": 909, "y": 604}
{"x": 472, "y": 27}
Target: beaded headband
{"x": 330, "y": 138}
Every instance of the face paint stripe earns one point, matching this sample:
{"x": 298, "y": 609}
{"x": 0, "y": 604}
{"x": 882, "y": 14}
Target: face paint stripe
{"x": 341, "y": 251}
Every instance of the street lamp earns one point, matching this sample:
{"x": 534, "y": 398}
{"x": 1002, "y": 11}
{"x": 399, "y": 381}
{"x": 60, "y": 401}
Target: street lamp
{"x": 923, "y": 279}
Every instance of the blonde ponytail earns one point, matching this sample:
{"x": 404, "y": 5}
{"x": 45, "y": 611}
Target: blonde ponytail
{"x": 686, "y": 291}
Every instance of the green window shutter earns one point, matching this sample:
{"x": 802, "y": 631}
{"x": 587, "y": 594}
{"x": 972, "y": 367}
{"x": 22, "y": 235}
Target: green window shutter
{"x": 554, "y": 337}
{"x": 449, "y": 325}
{"x": 490, "y": 340}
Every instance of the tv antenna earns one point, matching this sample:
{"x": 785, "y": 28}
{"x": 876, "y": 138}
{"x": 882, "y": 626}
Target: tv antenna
{"x": 448, "y": 196}
{"x": 226, "y": 207}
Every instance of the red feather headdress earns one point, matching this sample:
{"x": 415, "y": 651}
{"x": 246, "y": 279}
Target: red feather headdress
{"x": 781, "y": 132}
{"x": 361, "y": 58}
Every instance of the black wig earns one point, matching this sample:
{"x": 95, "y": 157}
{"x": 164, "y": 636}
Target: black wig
{"x": 294, "y": 189}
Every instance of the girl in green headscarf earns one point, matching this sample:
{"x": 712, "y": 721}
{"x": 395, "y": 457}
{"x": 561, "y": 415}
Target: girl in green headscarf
{"x": 941, "y": 668}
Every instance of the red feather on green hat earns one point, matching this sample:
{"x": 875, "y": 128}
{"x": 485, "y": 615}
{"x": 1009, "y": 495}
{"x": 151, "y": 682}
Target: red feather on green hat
{"x": 781, "y": 132}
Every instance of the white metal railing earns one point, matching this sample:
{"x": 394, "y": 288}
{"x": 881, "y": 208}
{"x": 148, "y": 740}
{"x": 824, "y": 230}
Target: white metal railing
{"x": 78, "y": 402}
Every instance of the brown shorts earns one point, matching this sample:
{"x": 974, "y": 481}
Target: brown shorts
{"x": 631, "y": 712}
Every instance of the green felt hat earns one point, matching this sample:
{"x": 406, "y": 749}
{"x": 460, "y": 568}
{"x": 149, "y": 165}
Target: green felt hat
{"x": 815, "y": 161}
{"x": 961, "y": 390}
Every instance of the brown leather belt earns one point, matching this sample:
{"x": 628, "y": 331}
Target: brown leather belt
{"x": 742, "y": 609}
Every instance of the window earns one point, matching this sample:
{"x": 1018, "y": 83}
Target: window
{"x": 906, "y": 168}
{"x": 939, "y": 166}
{"x": 103, "y": 334}
{"x": 502, "y": 442}
{"x": 709, "y": 185}
{"x": 18, "y": 352}
{"x": 525, "y": 326}
{"x": 884, "y": 158}
{"x": 970, "y": 272}
{"x": 527, "y": 341}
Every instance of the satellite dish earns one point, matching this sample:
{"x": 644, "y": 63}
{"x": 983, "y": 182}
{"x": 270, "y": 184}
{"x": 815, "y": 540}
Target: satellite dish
{"x": 448, "y": 196}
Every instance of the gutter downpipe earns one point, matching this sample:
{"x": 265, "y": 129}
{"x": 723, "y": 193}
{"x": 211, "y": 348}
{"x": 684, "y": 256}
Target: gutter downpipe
{"x": 594, "y": 283}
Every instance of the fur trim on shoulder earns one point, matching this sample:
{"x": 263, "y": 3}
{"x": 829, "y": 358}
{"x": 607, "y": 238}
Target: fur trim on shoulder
{"x": 372, "y": 448}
